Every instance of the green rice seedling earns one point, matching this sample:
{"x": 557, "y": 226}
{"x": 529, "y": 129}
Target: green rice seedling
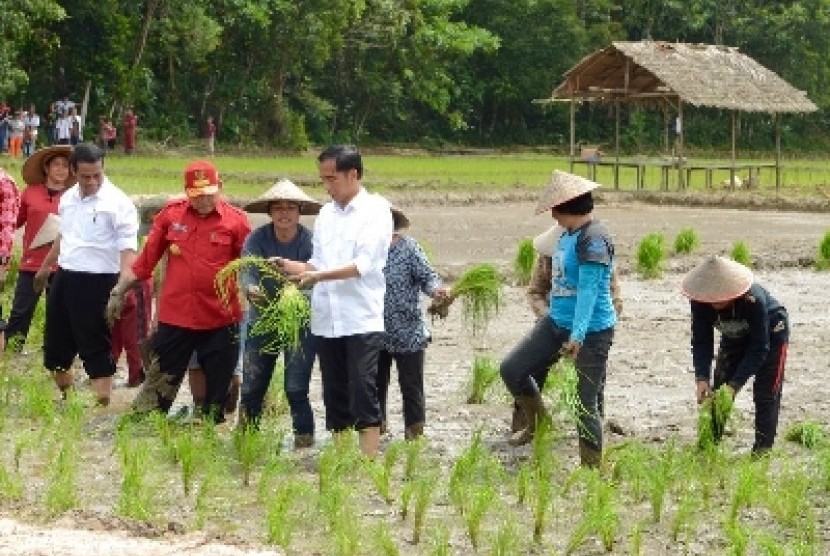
{"x": 39, "y": 397}
{"x": 524, "y": 261}
{"x": 543, "y": 494}
{"x": 211, "y": 478}
{"x": 384, "y": 542}
{"x": 823, "y": 461}
{"x": 523, "y": 478}
{"x": 274, "y": 468}
{"x": 636, "y": 540}
{"x": 809, "y": 434}
{"x": 480, "y": 290}
{"x": 566, "y": 378}
{"x": 61, "y": 494}
{"x": 787, "y": 498}
{"x": 823, "y": 255}
{"x": 750, "y": 486}
{"x": 476, "y": 466}
{"x": 506, "y": 541}
{"x": 22, "y": 441}
{"x": 276, "y": 403}
{"x": 741, "y": 254}
{"x": 485, "y": 372}
{"x": 407, "y": 492}
{"x": 187, "y": 454}
{"x": 683, "y": 521}
{"x": 479, "y": 502}
{"x": 414, "y": 452}
{"x": 686, "y": 241}
{"x": 768, "y": 545}
{"x": 337, "y": 460}
{"x": 599, "y": 514}
{"x": 381, "y": 471}
{"x": 424, "y": 487}
{"x": 737, "y": 536}
{"x": 440, "y": 541}
{"x": 11, "y": 485}
{"x": 227, "y": 279}
{"x": 660, "y": 475}
{"x": 337, "y": 505}
{"x": 135, "y": 499}
{"x": 650, "y": 254}
{"x": 249, "y": 448}
{"x": 629, "y": 465}
{"x": 280, "y": 523}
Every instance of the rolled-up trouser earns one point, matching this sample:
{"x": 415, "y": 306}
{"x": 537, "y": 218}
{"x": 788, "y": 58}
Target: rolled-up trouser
{"x": 217, "y": 351}
{"x": 769, "y": 379}
{"x": 532, "y": 357}
{"x": 349, "y": 366}
{"x": 258, "y": 369}
{"x": 410, "y": 366}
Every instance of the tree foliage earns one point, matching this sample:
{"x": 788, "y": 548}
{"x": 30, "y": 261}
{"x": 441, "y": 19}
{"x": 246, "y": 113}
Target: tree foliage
{"x": 287, "y": 73}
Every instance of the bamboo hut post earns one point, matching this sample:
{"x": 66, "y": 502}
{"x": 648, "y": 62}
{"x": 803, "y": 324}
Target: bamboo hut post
{"x": 617, "y": 144}
{"x": 666, "y": 123}
{"x": 734, "y": 133}
{"x": 573, "y": 133}
{"x": 777, "y": 151}
{"x": 681, "y": 177}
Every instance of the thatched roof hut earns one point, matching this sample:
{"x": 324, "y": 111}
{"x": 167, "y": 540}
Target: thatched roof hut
{"x": 667, "y": 75}
{"x": 699, "y": 74}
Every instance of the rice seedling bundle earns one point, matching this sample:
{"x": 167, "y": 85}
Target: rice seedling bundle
{"x": 713, "y": 415}
{"x": 650, "y": 256}
{"x": 809, "y": 434}
{"x": 525, "y": 259}
{"x": 823, "y": 256}
{"x": 741, "y": 254}
{"x": 567, "y": 380}
{"x": 281, "y": 318}
{"x": 686, "y": 241}
{"x": 480, "y": 291}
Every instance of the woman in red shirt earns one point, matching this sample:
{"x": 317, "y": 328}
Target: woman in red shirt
{"x": 47, "y": 176}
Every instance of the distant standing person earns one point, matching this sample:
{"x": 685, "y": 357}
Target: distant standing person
{"x": 210, "y": 135}
{"x": 9, "y": 205}
{"x": 98, "y": 239}
{"x": 110, "y": 134}
{"x": 130, "y": 126}
{"x": 351, "y": 241}
{"x": 47, "y": 176}
{"x": 75, "y": 126}
{"x": 754, "y": 335}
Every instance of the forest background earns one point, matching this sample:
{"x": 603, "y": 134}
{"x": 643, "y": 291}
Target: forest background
{"x": 287, "y": 74}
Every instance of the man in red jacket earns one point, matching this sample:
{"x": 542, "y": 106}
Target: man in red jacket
{"x": 47, "y": 175}
{"x": 201, "y": 234}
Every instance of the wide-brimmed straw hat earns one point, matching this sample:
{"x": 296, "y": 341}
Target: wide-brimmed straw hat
{"x": 284, "y": 190}
{"x": 48, "y": 232}
{"x": 399, "y": 219}
{"x": 33, "y": 169}
{"x": 717, "y": 279}
{"x": 545, "y": 242}
{"x": 562, "y": 188}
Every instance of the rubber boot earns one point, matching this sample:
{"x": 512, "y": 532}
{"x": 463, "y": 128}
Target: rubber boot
{"x": 518, "y": 421}
{"x": 589, "y": 456}
{"x": 412, "y": 432}
{"x": 534, "y": 410}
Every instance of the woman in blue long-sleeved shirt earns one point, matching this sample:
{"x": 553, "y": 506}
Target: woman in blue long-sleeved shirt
{"x": 754, "y": 334}
{"x": 581, "y": 318}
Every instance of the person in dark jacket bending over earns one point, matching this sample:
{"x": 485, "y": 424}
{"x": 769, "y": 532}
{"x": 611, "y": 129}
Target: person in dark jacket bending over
{"x": 754, "y": 334}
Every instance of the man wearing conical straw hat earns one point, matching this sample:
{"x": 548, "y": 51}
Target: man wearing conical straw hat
{"x": 580, "y": 320}
{"x": 282, "y": 236}
{"x": 754, "y": 334}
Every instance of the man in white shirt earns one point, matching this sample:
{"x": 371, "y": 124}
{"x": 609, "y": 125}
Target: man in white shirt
{"x": 351, "y": 240}
{"x": 98, "y": 240}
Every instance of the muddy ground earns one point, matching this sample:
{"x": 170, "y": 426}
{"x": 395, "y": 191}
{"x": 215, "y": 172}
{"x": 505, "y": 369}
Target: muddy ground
{"x": 649, "y": 390}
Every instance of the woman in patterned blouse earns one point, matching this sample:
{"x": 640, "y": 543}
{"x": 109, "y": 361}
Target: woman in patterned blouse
{"x": 408, "y": 273}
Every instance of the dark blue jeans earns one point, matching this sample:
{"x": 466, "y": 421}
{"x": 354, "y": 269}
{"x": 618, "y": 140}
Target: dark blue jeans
{"x": 258, "y": 369}
{"x": 525, "y": 369}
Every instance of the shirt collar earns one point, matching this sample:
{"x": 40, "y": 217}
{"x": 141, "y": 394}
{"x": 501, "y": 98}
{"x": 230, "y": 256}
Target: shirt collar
{"x": 357, "y": 201}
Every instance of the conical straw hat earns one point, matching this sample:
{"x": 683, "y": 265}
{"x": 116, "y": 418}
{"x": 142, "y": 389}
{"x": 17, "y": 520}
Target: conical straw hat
{"x": 284, "y": 190}
{"x": 48, "y": 232}
{"x": 717, "y": 279}
{"x": 33, "y": 171}
{"x": 562, "y": 188}
{"x": 545, "y": 242}
{"x": 399, "y": 218}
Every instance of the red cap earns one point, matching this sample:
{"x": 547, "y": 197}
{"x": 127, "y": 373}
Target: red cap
{"x": 201, "y": 178}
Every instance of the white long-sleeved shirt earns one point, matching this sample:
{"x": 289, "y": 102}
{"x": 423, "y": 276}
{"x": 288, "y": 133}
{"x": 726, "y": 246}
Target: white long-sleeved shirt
{"x": 95, "y": 229}
{"x": 359, "y": 234}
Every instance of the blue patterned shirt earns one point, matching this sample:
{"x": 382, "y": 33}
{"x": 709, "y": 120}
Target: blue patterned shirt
{"x": 408, "y": 273}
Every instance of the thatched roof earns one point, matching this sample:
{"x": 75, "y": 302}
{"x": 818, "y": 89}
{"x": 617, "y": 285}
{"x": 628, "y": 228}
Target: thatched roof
{"x": 698, "y": 74}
